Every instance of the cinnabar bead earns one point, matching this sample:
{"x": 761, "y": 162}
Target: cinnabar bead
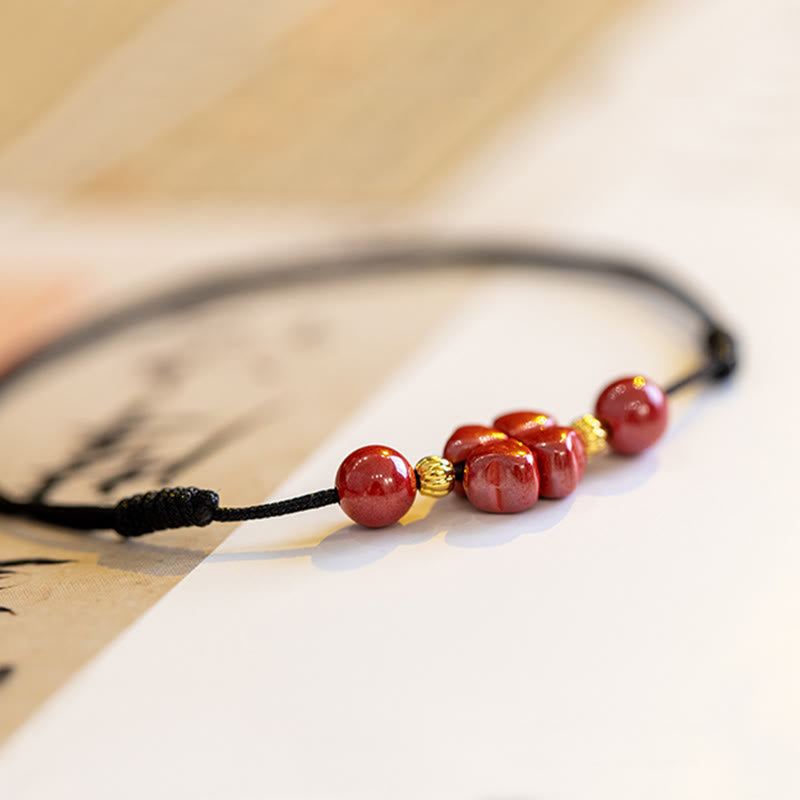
{"x": 376, "y": 486}
{"x": 560, "y": 457}
{"x": 635, "y": 412}
{"x": 464, "y": 440}
{"x": 517, "y": 423}
{"x": 501, "y": 477}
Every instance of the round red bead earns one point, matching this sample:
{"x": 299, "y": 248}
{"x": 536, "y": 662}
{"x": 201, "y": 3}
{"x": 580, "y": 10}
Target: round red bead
{"x": 376, "y": 486}
{"x": 516, "y": 423}
{"x": 464, "y": 440}
{"x": 560, "y": 457}
{"x": 635, "y": 412}
{"x": 501, "y": 477}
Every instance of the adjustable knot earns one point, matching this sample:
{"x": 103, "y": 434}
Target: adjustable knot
{"x": 167, "y": 508}
{"x": 722, "y": 350}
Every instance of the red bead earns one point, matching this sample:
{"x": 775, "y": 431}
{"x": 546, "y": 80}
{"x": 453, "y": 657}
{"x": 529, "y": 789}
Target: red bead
{"x": 376, "y": 486}
{"x": 501, "y": 477}
{"x": 464, "y": 440}
{"x": 518, "y": 422}
{"x": 560, "y": 457}
{"x": 635, "y": 412}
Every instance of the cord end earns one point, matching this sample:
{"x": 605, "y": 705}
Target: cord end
{"x": 721, "y": 348}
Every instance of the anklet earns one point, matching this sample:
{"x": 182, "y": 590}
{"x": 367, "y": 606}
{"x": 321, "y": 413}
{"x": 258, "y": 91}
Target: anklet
{"x": 504, "y": 467}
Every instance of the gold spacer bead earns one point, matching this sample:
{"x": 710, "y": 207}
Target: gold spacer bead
{"x": 593, "y": 433}
{"x": 437, "y": 476}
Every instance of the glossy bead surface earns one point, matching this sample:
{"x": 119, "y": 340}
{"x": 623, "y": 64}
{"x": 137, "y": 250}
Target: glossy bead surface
{"x": 516, "y": 423}
{"x": 560, "y": 457}
{"x": 437, "y": 476}
{"x": 464, "y": 440}
{"x": 634, "y": 410}
{"x": 501, "y": 477}
{"x": 593, "y": 434}
{"x": 376, "y": 486}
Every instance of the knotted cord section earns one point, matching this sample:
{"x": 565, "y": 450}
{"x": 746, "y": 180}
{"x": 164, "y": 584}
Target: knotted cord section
{"x": 181, "y": 507}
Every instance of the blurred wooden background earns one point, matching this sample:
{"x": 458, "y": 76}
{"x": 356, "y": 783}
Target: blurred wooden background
{"x": 290, "y": 102}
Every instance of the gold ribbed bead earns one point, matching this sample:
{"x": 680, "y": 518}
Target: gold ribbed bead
{"x": 593, "y": 433}
{"x": 437, "y": 476}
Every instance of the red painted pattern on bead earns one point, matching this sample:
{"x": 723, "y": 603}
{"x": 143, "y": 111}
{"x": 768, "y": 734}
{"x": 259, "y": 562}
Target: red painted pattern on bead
{"x": 516, "y": 423}
{"x": 501, "y": 477}
{"x": 560, "y": 457}
{"x": 464, "y": 440}
{"x": 376, "y": 486}
{"x": 635, "y": 412}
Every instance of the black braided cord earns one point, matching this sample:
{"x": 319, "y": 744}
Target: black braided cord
{"x": 180, "y": 507}
{"x": 326, "y": 497}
